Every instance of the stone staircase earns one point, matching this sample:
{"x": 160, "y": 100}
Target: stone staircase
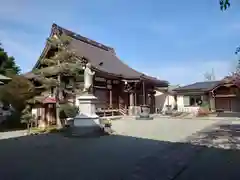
{"x": 122, "y": 110}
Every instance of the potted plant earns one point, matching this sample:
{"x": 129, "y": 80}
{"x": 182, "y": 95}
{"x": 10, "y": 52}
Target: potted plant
{"x": 107, "y": 123}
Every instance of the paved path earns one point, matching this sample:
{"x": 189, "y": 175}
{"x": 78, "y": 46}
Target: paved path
{"x": 12, "y": 134}
{"x": 142, "y": 150}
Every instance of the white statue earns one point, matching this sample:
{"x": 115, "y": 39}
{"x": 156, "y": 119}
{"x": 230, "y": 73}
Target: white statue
{"x": 88, "y": 78}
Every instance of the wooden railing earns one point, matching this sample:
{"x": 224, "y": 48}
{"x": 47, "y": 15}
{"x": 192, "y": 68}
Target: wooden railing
{"x": 105, "y": 110}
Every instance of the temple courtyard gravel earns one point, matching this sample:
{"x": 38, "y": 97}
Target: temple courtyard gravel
{"x": 162, "y": 148}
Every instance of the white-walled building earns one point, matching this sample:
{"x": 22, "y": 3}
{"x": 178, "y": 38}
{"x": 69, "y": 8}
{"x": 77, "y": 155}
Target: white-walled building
{"x": 165, "y": 99}
{"x": 216, "y": 95}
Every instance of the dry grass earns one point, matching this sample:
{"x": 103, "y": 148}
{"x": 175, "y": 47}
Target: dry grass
{"x": 49, "y": 129}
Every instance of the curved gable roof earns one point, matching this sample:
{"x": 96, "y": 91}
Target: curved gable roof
{"x": 109, "y": 61}
{"x": 102, "y": 57}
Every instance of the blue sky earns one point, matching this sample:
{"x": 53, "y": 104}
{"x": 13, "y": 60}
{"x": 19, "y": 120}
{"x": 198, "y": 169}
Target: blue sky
{"x": 166, "y": 39}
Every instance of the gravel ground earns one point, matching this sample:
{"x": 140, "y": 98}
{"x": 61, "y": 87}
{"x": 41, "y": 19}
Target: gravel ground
{"x": 163, "y": 129}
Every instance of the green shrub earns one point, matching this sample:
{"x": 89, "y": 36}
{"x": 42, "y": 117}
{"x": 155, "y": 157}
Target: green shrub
{"x": 203, "y": 112}
{"x": 68, "y": 111}
{"x": 205, "y": 105}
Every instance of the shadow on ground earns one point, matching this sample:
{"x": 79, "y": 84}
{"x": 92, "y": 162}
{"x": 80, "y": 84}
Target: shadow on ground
{"x": 55, "y": 156}
{"x": 228, "y": 114}
{"x": 225, "y": 136}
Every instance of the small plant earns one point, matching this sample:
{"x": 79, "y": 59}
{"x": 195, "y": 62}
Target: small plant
{"x": 49, "y": 129}
{"x": 205, "y": 105}
{"x": 68, "y": 111}
{"x": 203, "y": 110}
{"x": 107, "y": 122}
{"x": 27, "y": 117}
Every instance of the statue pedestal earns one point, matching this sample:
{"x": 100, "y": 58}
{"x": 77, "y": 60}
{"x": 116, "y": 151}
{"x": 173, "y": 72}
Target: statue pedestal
{"x": 86, "y": 122}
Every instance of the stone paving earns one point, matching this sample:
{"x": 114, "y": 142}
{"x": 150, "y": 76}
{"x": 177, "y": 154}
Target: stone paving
{"x": 147, "y": 150}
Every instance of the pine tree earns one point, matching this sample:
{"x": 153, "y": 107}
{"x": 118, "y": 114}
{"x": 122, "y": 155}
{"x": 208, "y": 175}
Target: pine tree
{"x": 7, "y": 64}
{"x": 64, "y": 63}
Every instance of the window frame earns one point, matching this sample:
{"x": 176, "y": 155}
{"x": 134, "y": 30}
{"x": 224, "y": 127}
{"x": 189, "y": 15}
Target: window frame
{"x": 195, "y": 98}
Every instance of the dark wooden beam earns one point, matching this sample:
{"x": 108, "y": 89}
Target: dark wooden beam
{"x": 144, "y": 95}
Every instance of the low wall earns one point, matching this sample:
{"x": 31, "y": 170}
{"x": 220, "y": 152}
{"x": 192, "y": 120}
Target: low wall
{"x": 191, "y": 109}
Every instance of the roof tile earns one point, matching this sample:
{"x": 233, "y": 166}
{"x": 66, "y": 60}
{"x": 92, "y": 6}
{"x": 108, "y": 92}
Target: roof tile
{"x": 203, "y": 86}
{"x": 103, "y": 57}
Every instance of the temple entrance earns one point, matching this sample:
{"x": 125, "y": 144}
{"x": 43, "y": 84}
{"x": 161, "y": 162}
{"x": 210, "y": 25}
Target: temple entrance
{"x": 226, "y": 98}
{"x": 223, "y": 104}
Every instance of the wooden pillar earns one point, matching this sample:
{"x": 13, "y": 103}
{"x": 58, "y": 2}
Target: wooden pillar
{"x": 144, "y": 93}
{"x": 109, "y": 87}
{"x": 152, "y": 105}
{"x": 110, "y": 98}
{"x": 212, "y": 102}
{"x": 43, "y": 115}
{"x": 43, "y": 112}
{"x": 135, "y": 99}
{"x": 153, "y": 101}
{"x": 48, "y": 114}
{"x": 54, "y": 113}
{"x": 131, "y": 99}
{"x": 135, "y": 94}
{"x": 131, "y": 104}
